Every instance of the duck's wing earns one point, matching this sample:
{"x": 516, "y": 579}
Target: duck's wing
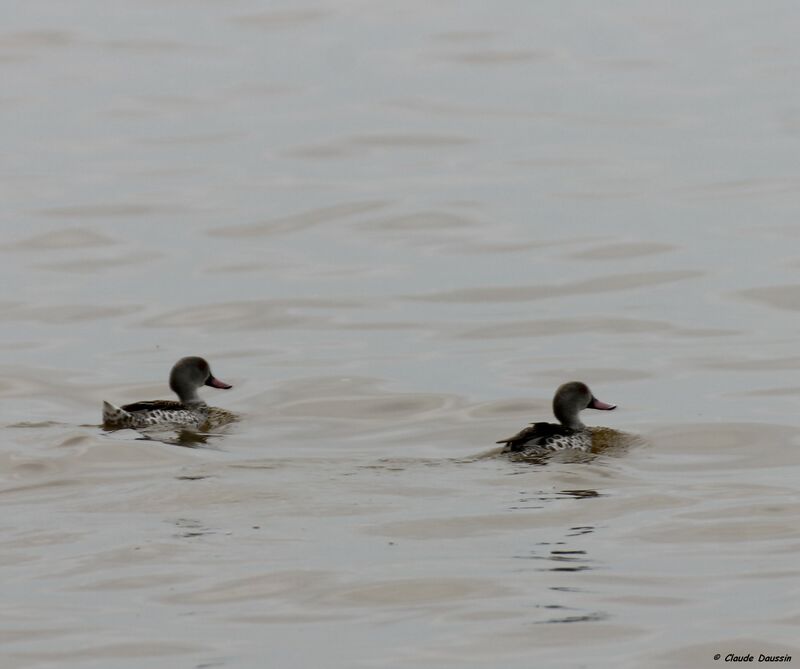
{"x": 533, "y": 435}
{"x": 153, "y": 405}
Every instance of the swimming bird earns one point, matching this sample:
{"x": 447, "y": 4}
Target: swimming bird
{"x": 570, "y": 399}
{"x": 187, "y": 375}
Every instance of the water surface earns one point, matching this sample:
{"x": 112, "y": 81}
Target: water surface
{"x": 395, "y": 229}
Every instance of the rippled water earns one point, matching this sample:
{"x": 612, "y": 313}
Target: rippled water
{"x": 396, "y": 228}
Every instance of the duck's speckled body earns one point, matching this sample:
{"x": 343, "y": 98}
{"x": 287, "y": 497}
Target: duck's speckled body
{"x": 570, "y": 399}
{"x": 187, "y": 375}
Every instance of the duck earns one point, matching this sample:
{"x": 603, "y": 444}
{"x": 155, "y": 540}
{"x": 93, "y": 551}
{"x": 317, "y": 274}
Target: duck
{"x": 569, "y": 400}
{"x": 186, "y": 377}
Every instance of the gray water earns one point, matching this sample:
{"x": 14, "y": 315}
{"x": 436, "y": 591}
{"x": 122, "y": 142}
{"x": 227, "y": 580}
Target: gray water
{"x": 395, "y": 228}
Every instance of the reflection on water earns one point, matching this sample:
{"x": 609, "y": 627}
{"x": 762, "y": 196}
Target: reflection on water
{"x": 186, "y": 438}
{"x": 189, "y": 528}
{"x": 400, "y": 225}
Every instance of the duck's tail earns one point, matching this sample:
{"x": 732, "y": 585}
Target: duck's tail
{"x": 113, "y": 414}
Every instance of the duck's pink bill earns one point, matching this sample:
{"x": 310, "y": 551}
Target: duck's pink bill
{"x": 597, "y": 404}
{"x": 216, "y": 383}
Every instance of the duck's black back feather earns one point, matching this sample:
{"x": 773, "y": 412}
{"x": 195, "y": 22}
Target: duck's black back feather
{"x": 154, "y": 405}
{"x": 537, "y": 434}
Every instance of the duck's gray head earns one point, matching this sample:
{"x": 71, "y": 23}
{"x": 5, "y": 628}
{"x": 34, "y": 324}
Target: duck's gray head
{"x": 189, "y": 374}
{"x": 572, "y": 398}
